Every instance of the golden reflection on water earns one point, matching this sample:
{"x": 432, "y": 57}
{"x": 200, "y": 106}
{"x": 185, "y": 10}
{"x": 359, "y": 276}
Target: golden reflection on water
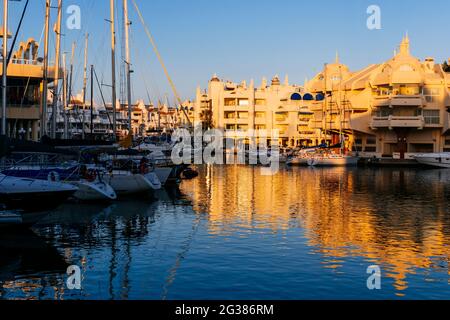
{"x": 392, "y": 217}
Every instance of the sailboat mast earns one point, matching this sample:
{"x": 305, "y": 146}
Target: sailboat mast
{"x": 325, "y": 112}
{"x": 56, "y": 83}
{"x": 127, "y": 60}
{"x": 92, "y": 100}
{"x": 113, "y": 67}
{"x": 64, "y": 97}
{"x": 84, "y": 84}
{"x": 341, "y": 135}
{"x": 45, "y": 76}
{"x": 69, "y": 95}
{"x": 5, "y": 65}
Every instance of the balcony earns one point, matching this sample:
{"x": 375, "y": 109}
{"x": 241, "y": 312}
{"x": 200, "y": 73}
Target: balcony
{"x": 392, "y": 122}
{"x": 399, "y": 100}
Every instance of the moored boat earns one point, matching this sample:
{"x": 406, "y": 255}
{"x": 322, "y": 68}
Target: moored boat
{"x": 74, "y": 174}
{"x": 32, "y": 194}
{"x": 96, "y": 190}
{"x": 128, "y": 183}
{"x": 331, "y": 160}
{"x": 438, "y": 160}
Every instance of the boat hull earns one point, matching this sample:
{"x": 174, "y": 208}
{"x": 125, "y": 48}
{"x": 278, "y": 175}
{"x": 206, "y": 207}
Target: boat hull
{"x": 333, "y": 162}
{"x": 33, "y": 195}
{"x": 93, "y": 191}
{"x": 435, "y": 160}
{"x": 128, "y": 184}
{"x": 298, "y": 162}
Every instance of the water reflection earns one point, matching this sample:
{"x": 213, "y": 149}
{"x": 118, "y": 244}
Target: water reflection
{"x": 392, "y": 217}
{"x": 235, "y": 234}
{"x": 27, "y": 263}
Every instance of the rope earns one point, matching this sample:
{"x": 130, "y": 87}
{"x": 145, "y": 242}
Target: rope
{"x": 161, "y": 61}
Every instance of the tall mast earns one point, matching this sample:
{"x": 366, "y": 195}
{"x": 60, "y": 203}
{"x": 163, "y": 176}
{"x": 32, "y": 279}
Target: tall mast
{"x": 325, "y": 111}
{"x": 84, "y": 84}
{"x": 127, "y": 61}
{"x": 45, "y": 76}
{"x": 5, "y": 65}
{"x": 69, "y": 95}
{"x": 64, "y": 97}
{"x": 341, "y": 133}
{"x": 113, "y": 67}
{"x": 56, "y": 83}
{"x": 92, "y": 100}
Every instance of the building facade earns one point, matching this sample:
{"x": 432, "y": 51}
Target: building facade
{"x": 24, "y": 91}
{"x": 238, "y": 108}
{"x": 394, "y": 109}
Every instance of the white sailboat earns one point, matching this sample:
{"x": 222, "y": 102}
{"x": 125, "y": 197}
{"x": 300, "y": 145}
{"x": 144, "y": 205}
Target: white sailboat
{"x": 33, "y": 195}
{"x": 438, "y": 160}
{"x": 332, "y": 160}
{"x": 326, "y": 158}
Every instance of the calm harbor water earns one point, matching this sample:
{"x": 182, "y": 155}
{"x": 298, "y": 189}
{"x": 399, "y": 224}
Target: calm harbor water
{"x": 235, "y": 234}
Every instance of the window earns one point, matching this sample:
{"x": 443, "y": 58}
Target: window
{"x": 371, "y": 140}
{"x": 242, "y": 115}
{"x": 242, "y": 127}
{"x": 282, "y": 129}
{"x": 260, "y": 115}
{"x": 447, "y": 141}
{"x": 260, "y": 127}
{"x": 230, "y": 127}
{"x": 281, "y": 116}
{"x": 384, "y": 91}
{"x": 230, "y": 115}
{"x": 230, "y": 102}
{"x": 431, "y": 94}
{"x": 432, "y": 116}
{"x": 409, "y": 90}
{"x": 260, "y": 102}
{"x": 243, "y": 102}
{"x": 385, "y": 112}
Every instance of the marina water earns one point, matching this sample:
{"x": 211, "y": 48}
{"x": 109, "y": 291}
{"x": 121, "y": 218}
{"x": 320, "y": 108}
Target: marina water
{"x": 233, "y": 233}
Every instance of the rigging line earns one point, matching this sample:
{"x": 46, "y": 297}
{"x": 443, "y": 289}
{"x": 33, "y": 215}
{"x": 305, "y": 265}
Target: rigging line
{"x": 103, "y": 98}
{"x": 141, "y": 74}
{"x": 17, "y": 33}
{"x": 155, "y": 49}
{"x": 149, "y": 70}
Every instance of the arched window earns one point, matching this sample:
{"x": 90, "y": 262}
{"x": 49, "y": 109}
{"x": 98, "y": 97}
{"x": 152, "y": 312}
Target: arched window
{"x": 320, "y": 97}
{"x": 308, "y": 97}
{"x": 296, "y": 97}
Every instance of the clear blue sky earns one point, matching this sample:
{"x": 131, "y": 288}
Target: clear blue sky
{"x": 245, "y": 39}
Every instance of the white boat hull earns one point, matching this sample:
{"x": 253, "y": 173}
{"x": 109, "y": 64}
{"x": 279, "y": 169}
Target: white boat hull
{"x": 91, "y": 191}
{"x": 126, "y": 183}
{"x": 33, "y": 195}
{"x": 300, "y": 162}
{"x": 333, "y": 162}
{"x": 438, "y": 160}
